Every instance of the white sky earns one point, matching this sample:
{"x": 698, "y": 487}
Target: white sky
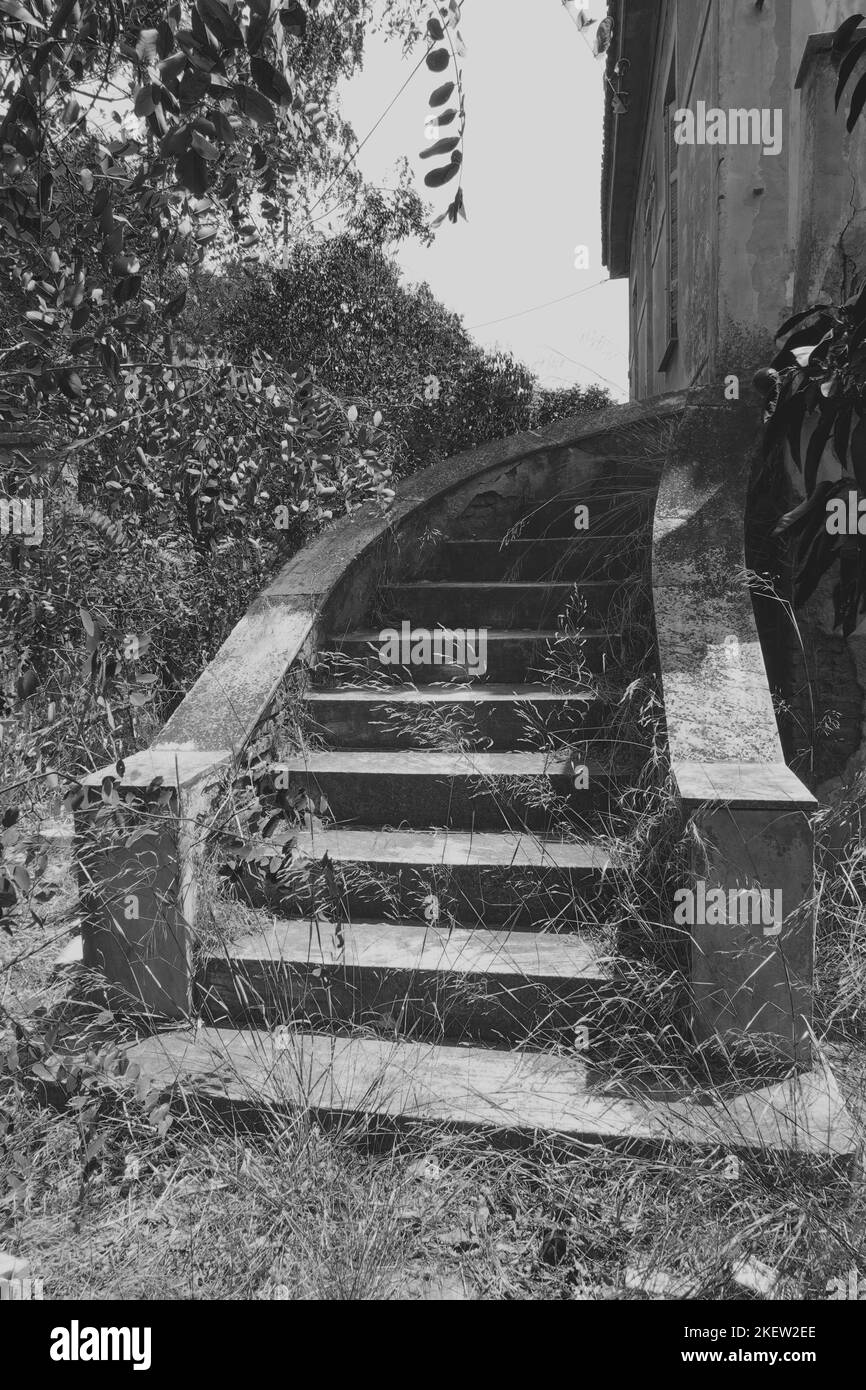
{"x": 531, "y": 180}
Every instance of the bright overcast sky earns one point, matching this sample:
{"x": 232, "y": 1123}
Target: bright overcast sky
{"x": 532, "y": 179}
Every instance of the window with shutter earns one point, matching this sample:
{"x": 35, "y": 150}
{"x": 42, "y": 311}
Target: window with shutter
{"x": 673, "y": 225}
{"x": 672, "y": 218}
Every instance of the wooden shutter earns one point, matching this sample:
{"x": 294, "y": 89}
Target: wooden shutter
{"x": 673, "y": 221}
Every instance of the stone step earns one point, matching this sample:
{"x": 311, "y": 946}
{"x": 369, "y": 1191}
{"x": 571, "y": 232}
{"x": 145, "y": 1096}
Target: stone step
{"x": 501, "y": 715}
{"x": 447, "y": 604}
{"x": 507, "y": 1096}
{"x": 512, "y": 656}
{"x": 581, "y": 556}
{"x": 481, "y": 986}
{"x": 522, "y": 881}
{"x": 419, "y": 787}
{"x": 612, "y": 511}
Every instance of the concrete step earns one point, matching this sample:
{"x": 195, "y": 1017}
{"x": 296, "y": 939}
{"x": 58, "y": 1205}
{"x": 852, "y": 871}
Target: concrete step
{"x": 581, "y": 556}
{"x": 483, "y": 715}
{"x": 447, "y": 604}
{"x": 480, "y": 986}
{"x": 512, "y": 656}
{"x": 419, "y": 787}
{"x": 521, "y": 881}
{"x": 612, "y": 511}
{"x": 507, "y": 1096}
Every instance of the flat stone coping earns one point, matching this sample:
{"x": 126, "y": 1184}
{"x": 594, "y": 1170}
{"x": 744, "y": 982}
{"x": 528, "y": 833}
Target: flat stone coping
{"x": 723, "y": 735}
{"x": 770, "y": 786}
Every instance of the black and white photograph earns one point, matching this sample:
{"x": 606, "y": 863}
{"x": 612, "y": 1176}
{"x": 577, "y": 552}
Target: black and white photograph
{"x": 432, "y": 671}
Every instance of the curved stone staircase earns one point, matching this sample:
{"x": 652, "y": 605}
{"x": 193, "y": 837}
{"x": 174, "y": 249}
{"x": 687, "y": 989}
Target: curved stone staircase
{"x": 431, "y": 943}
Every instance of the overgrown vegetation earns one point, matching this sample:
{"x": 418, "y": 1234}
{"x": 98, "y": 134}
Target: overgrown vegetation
{"x": 816, "y": 391}
{"x": 157, "y": 159}
{"x": 187, "y": 418}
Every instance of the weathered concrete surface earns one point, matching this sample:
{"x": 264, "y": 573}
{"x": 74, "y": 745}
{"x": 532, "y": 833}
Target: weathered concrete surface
{"x": 481, "y": 715}
{"x": 757, "y": 233}
{"x": 749, "y": 810}
{"x": 138, "y": 891}
{"x": 717, "y": 697}
{"x": 228, "y": 699}
{"x": 512, "y": 1094}
{"x": 455, "y": 984}
{"x": 830, "y": 241}
{"x": 748, "y": 987}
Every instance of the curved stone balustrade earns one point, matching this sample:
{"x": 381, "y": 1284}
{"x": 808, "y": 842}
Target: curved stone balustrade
{"x": 752, "y": 812}
{"x": 325, "y": 588}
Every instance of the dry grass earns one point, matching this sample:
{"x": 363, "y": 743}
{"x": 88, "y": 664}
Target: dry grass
{"x": 108, "y": 1196}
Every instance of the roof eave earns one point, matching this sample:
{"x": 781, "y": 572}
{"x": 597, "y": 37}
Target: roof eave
{"x": 635, "y": 27}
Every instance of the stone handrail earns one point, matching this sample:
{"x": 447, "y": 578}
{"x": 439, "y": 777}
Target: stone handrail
{"x": 752, "y": 813}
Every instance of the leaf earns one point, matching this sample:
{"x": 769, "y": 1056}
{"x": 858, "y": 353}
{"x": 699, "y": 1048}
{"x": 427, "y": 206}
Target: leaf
{"x": 174, "y": 306}
{"x": 817, "y": 561}
{"x": 444, "y": 146}
{"x": 442, "y": 94}
{"x": 87, "y": 622}
{"x": 192, "y": 173}
{"x": 844, "y": 32}
{"x": 849, "y": 63}
{"x": 817, "y": 445}
{"x": 445, "y": 119}
{"x": 127, "y": 288}
{"x": 799, "y": 318}
{"x": 26, "y": 683}
{"x": 294, "y": 21}
{"x": 71, "y": 384}
{"x": 18, "y": 11}
{"x": 259, "y": 23}
{"x": 270, "y": 80}
{"x": 841, "y": 431}
{"x": 437, "y": 177}
{"x": 794, "y": 416}
{"x": 170, "y": 70}
{"x": 221, "y": 22}
{"x": 438, "y": 59}
{"x": 809, "y": 337}
{"x": 254, "y": 105}
{"x": 435, "y": 30}
{"x": 203, "y": 146}
{"x": 858, "y": 101}
{"x": 165, "y": 39}
{"x": 794, "y": 521}
{"x": 177, "y": 141}
{"x": 144, "y": 102}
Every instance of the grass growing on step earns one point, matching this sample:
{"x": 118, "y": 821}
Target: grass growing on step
{"x": 198, "y": 1209}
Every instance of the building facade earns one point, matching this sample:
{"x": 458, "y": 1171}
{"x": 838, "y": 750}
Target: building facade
{"x": 731, "y": 195}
